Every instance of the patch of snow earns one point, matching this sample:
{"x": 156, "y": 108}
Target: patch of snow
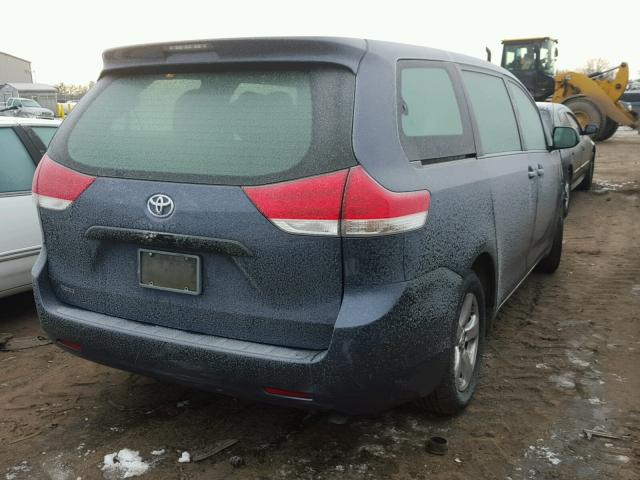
{"x": 542, "y": 366}
{"x": 623, "y": 458}
{"x": 545, "y": 453}
{"x": 577, "y": 361}
{"x": 595, "y": 401}
{"x": 13, "y": 472}
{"x": 158, "y": 452}
{"x": 124, "y": 464}
{"x": 183, "y": 404}
{"x": 564, "y": 380}
{"x": 184, "y": 458}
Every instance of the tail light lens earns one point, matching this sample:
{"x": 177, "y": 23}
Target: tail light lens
{"x": 347, "y": 202}
{"x": 309, "y": 206}
{"x": 56, "y": 187}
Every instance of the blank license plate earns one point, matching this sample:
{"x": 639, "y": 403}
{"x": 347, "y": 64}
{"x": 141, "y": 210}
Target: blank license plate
{"x": 174, "y": 272}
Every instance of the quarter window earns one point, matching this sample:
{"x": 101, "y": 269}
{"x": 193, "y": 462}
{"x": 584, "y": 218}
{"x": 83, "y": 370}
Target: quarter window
{"x": 530, "y": 124}
{"x": 16, "y": 166}
{"x": 493, "y": 112}
{"x": 431, "y": 121}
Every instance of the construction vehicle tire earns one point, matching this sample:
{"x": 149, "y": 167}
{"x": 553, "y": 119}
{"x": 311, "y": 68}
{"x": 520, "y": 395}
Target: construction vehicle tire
{"x": 587, "y": 112}
{"x": 610, "y": 128}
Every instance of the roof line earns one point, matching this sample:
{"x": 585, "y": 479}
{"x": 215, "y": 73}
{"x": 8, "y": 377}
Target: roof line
{"x": 17, "y": 58}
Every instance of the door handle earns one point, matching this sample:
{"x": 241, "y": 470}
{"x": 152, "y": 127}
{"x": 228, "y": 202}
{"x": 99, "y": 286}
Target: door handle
{"x": 532, "y": 172}
{"x": 540, "y": 170}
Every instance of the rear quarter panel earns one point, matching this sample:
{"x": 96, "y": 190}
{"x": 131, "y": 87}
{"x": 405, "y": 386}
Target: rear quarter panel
{"x": 460, "y": 224}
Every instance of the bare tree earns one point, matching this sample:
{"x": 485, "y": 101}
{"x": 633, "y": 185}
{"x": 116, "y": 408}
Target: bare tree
{"x": 595, "y": 65}
{"x": 71, "y": 91}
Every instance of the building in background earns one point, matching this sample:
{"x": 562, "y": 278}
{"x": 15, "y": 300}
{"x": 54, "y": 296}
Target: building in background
{"x": 16, "y": 80}
{"x": 45, "y": 95}
{"x": 14, "y": 69}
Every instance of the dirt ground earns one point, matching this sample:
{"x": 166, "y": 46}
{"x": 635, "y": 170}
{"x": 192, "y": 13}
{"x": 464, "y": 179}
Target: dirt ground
{"x": 564, "y": 356}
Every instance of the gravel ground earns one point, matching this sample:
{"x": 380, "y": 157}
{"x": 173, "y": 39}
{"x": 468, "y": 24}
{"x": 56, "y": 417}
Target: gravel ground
{"x": 563, "y": 356}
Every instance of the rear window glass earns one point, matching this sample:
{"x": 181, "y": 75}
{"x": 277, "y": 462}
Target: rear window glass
{"x": 432, "y": 121}
{"x": 241, "y": 127}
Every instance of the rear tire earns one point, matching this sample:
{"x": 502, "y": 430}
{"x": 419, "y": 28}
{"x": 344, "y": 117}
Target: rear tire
{"x": 587, "y": 182}
{"x": 459, "y": 382}
{"x": 610, "y": 127}
{"x": 587, "y": 112}
{"x": 551, "y": 261}
{"x": 566, "y": 200}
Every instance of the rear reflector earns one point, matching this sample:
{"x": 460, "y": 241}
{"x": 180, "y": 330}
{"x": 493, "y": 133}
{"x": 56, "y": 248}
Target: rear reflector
{"x": 56, "y": 187}
{"x": 288, "y": 393}
{"x": 71, "y": 345}
{"x": 347, "y": 202}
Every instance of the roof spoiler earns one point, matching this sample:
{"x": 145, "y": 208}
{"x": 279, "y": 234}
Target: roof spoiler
{"x": 346, "y": 52}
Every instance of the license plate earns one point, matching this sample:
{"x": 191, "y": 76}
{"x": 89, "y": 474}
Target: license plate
{"x": 174, "y": 272}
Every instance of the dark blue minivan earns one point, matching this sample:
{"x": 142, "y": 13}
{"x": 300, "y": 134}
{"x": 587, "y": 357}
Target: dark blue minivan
{"x": 319, "y": 222}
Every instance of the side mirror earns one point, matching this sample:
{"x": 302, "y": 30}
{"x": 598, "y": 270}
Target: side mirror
{"x": 565, "y": 137}
{"x": 590, "y": 129}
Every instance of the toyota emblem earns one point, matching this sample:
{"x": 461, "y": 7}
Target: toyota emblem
{"x": 160, "y": 205}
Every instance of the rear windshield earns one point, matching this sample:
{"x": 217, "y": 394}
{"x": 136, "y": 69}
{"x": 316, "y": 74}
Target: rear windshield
{"x": 241, "y": 127}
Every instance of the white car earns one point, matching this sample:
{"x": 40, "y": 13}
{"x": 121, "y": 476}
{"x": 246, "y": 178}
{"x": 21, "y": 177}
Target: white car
{"x": 23, "y": 141}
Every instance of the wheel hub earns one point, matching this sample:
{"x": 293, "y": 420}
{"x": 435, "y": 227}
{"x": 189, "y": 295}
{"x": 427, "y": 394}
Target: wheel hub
{"x": 466, "y": 349}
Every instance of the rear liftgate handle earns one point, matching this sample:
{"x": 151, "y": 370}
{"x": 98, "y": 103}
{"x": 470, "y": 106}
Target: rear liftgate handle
{"x": 532, "y": 172}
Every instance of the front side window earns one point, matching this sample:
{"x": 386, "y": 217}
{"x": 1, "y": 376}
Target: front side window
{"x": 431, "y": 121}
{"x": 519, "y": 57}
{"x": 16, "y": 166}
{"x": 530, "y": 124}
{"x": 493, "y": 112}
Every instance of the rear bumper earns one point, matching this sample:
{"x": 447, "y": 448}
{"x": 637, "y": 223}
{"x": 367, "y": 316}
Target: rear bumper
{"x": 389, "y": 346}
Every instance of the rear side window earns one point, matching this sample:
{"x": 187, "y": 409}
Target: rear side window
{"x": 45, "y": 133}
{"x": 431, "y": 116}
{"x": 493, "y": 112}
{"x": 16, "y": 166}
{"x": 530, "y": 124}
{"x": 241, "y": 127}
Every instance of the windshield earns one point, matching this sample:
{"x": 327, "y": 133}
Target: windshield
{"x": 29, "y": 103}
{"x": 530, "y": 56}
{"x": 229, "y": 127}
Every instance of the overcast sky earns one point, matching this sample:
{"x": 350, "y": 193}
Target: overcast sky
{"x": 64, "y": 40}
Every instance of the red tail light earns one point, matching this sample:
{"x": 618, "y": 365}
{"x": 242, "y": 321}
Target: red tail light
{"x": 347, "y": 202}
{"x": 309, "y": 206}
{"x": 56, "y": 187}
{"x": 371, "y": 209}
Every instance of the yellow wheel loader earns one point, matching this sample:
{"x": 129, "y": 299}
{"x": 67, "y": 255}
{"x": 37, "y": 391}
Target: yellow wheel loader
{"x": 594, "y": 98}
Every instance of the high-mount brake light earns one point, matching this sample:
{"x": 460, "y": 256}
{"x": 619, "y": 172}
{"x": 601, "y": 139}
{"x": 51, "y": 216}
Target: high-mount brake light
{"x": 346, "y": 202}
{"x": 56, "y": 187}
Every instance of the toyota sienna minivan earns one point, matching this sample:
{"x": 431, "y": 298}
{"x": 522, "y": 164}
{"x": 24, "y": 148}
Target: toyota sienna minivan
{"x": 319, "y": 222}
